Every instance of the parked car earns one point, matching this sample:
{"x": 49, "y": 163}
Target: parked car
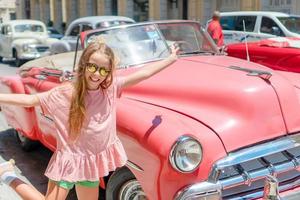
{"x": 278, "y": 53}
{"x": 209, "y": 126}
{"x": 53, "y": 33}
{"x": 68, "y": 42}
{"x": 24, "y": 40}
{"x": 258, "y": 25}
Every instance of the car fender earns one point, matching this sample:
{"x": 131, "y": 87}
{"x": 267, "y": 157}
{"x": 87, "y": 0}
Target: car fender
{"x": 60, "y": 46}
{"x": 152, "y": 131}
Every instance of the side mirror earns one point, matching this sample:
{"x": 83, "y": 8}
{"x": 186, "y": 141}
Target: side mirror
{"x": 275, "y": 31}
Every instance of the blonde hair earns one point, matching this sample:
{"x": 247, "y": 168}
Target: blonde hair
{"x": 77, "y": 108}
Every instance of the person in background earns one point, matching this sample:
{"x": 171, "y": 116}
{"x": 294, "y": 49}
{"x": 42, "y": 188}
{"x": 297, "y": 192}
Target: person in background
{"x": 215, "y": 29}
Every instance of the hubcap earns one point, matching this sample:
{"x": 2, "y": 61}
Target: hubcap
{"x": 132, "y": 190}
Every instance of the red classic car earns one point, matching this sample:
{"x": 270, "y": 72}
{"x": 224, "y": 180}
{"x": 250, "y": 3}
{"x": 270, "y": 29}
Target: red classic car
{"x": 209, "y": 126}
{"x": 277, "y": 53}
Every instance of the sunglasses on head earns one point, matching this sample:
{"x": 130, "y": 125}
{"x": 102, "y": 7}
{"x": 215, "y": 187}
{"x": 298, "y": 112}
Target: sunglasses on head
{"x": 91, "y": 67}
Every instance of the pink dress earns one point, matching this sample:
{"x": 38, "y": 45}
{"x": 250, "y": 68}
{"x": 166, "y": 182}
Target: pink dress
{"x": 98, "y": 149}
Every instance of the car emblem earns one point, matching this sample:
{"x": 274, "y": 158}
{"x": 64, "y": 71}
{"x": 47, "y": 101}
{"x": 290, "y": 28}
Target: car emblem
{"x": 271, "y": 191}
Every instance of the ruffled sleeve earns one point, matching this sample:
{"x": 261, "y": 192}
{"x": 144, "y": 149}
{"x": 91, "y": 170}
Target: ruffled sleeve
{"x": 50, "y": 100}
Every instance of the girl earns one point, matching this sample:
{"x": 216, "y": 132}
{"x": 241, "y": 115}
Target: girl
{"x": 84, "y": 113}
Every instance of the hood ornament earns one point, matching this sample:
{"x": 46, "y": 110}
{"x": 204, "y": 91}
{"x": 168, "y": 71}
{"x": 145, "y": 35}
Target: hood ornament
{"x": 265, "y": 75}
{"x": 271, "y": 191}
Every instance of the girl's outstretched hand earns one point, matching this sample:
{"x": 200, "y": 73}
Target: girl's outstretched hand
{"x": 174, "y": 51}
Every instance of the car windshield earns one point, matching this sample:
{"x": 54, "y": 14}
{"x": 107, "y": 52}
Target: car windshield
{"x": 28, "y": 28}
{"x": 141, "y": 43}
{"x": 291, "y": 23}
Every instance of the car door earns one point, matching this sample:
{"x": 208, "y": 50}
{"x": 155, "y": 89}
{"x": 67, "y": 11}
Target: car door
{"x": 269, "y": 28}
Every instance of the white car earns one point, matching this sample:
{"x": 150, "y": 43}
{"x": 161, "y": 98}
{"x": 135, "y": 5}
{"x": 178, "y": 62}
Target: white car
{"x": 24, "y": 40}
{"x": 68, "y": 42}
{"x": 258, "y": 25}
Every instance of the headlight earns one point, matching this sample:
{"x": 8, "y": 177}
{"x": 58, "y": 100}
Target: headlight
{"x": 28, "y": 48}
{"x": 25, "y": 47}
{"x": 186, "y": 154}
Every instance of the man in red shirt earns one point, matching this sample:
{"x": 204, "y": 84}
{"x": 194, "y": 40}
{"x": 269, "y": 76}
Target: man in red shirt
{"x": 215, "y": 29}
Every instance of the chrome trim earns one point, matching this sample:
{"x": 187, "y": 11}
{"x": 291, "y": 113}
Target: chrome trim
{"x": 173, "y": 150}
{"x": 213, "y": 185}
{"x": 199, "y": 190}
{"x": 134, "y": 166}
{"x": 254, "y": 152}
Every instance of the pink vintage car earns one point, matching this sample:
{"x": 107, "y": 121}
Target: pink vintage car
{"x": 278, "y": 53}
{"x": 208, "y": 127}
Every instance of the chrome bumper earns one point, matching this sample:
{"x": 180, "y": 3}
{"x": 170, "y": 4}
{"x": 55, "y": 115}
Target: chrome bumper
{"x": 215, "y": 188}
{"x": 34, "y": 55}
{"x": 210, "y": 191}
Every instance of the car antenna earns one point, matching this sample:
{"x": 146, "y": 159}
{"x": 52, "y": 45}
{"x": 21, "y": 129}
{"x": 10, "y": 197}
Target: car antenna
{"x": 246, "y": 43}
{"x": 77, "y": 43}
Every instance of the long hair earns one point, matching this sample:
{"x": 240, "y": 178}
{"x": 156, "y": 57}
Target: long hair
{"x": 77, "y": 108}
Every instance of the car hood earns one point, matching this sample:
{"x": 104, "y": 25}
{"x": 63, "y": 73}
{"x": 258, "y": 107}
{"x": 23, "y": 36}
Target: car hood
{"x": 241, "y": 109}
{"x": 29, "y": 38}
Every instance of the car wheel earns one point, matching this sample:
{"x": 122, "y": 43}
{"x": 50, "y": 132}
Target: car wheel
{"x": 122, "y": 185}
{"x": 26, "y": 143}
{"x": 18, "y": 61}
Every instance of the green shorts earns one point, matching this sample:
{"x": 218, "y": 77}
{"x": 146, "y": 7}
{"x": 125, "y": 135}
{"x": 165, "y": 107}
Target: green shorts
{"x": 69, "y": 185}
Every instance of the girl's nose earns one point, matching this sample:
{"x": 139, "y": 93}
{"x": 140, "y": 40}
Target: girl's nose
{"x": 97, "y": 73}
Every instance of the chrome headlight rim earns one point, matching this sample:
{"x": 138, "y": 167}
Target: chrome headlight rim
{"x": 30, "y": 48}
{"x": 172, "y": 157}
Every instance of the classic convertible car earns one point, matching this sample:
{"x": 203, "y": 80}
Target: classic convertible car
{"x": 209, "y": 126}
{"x": 277, "y": 53}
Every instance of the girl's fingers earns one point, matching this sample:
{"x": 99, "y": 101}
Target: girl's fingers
{"x": 174, "y": 48}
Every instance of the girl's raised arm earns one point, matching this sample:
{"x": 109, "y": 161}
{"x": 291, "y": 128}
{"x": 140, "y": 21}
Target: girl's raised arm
{"x": 25, "y": 100}
{"x": 151, "y": 69}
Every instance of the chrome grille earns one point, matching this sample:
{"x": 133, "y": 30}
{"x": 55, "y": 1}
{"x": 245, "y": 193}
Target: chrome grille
{"x": 242, "y": 173}
{"x": 42, "y": 48}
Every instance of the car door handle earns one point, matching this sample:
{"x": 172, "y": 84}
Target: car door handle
{"x": 40, "y": 77}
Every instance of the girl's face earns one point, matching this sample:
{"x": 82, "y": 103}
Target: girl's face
{"x": 97, "y": 70}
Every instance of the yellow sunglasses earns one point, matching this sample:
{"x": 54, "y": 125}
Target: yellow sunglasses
{"x": 91, "y": 67}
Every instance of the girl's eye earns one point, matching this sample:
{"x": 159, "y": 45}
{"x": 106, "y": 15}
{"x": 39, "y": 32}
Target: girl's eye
{"x": 92, "y": 68}
{"x": 103, "y": 72}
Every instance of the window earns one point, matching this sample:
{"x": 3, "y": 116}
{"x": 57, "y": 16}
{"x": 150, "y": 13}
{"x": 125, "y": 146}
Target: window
{"x": 86, "y": 27}
{"x": 5, "y": 30}
{"x": 270, "y": 27}
{"x": 227, "y": 22}
{"x": 106, "y": 24}
{"x": 235, "y": 23}
{"x": 249, "y": 23}
{"x": 75, "y": 31}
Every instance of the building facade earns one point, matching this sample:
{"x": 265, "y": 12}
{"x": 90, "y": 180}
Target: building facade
{"x": 7, "y": 10}
{"x": 60, "y": 13}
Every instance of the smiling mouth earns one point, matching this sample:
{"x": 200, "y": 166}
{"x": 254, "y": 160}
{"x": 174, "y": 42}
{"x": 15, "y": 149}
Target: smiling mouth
{"x": 94, "y": 79}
